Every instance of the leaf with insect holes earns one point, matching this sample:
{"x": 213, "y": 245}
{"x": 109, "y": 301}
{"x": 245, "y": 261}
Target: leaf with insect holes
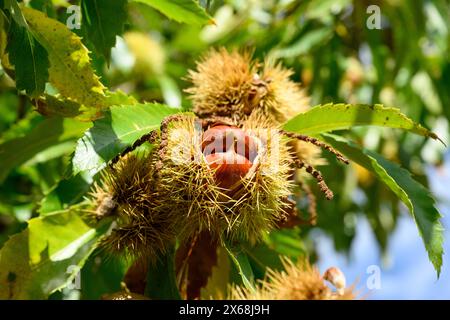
{"x": 46, "y": 134}
{"x": 119, "y": 128}
{"x": 47, "y": 255}
{"x": 330, "y": 117}
{"x": 416, "y": 197}
{"x": 187, "y": 11}
{"x": 70, "y": 69}
{"x": 26, "y": 54}
{"x": 102, "y": 21}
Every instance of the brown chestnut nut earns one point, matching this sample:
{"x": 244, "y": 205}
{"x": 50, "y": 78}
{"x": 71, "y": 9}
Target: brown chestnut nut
{"x": 221, "y": 138}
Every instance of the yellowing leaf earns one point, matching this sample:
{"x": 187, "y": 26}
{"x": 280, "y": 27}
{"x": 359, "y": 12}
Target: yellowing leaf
{"x": 47, "y": 255}
{"x": 70, "y": 69}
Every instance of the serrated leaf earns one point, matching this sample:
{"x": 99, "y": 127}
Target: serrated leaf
{"x": 330, "y": 117}
{"x": 102, "y": 21}
{"x": 416, "y": 197}
{"x": 118, "y": 97}
{"x": 26, "y": 54}
{"x": 60, "y": 106}
{"x": 47, "y": 255}
{"x": 46, "y": 134}
{"x": 70, "y": 69}
{"x": 121, "y": 126}
{"x": 187, "y": 11}
{"x": 218, "y": 282}
{"x": 194, "y": 261}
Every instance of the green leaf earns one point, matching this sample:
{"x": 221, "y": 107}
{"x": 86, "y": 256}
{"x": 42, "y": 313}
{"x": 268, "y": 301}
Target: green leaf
{"x": 330, "y": 117}
{"x": 3, "y": 34}
{"x": 161, "y": 281}
{"x": 44, "y": 6}
{"x": 121, "y": 126}
{"x": 65, "y": 193}
{"x": 70, "y": 69}
{"x": 304, "y": 44}
{"x": 46, "y": 134}
{"x": 287, "y": 242}
{"x": 47, "y": 255}
{"x": 416, "y": 197}
{"x": 15, "y": 12}
{"x": 21, "y": 127}
{"x": 262, "y": 257}
{"x": 27, "y": 55}
{"x": 187, "y": 11}
{"x": 242, "y": 264}
{"x": 103, "y": 20}
{"x": 102, "y": 274}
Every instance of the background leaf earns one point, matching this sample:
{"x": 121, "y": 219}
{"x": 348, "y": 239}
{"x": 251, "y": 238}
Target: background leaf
{"x": 65, "y": 193}
{"x": 50, "y": 132}
{"x": 187, "y": 11}
{"x": 46, "y": 256}
{"x": 102, "y": 21}
{"x": 242, "y": 264}
{"x": 418, "y": 199}
{"x": 304, "y": 44}
{"x": 121, "y": 126}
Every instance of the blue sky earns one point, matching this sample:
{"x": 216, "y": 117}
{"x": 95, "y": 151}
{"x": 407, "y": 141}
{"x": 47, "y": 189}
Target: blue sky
{"x": 408, "y": 274}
